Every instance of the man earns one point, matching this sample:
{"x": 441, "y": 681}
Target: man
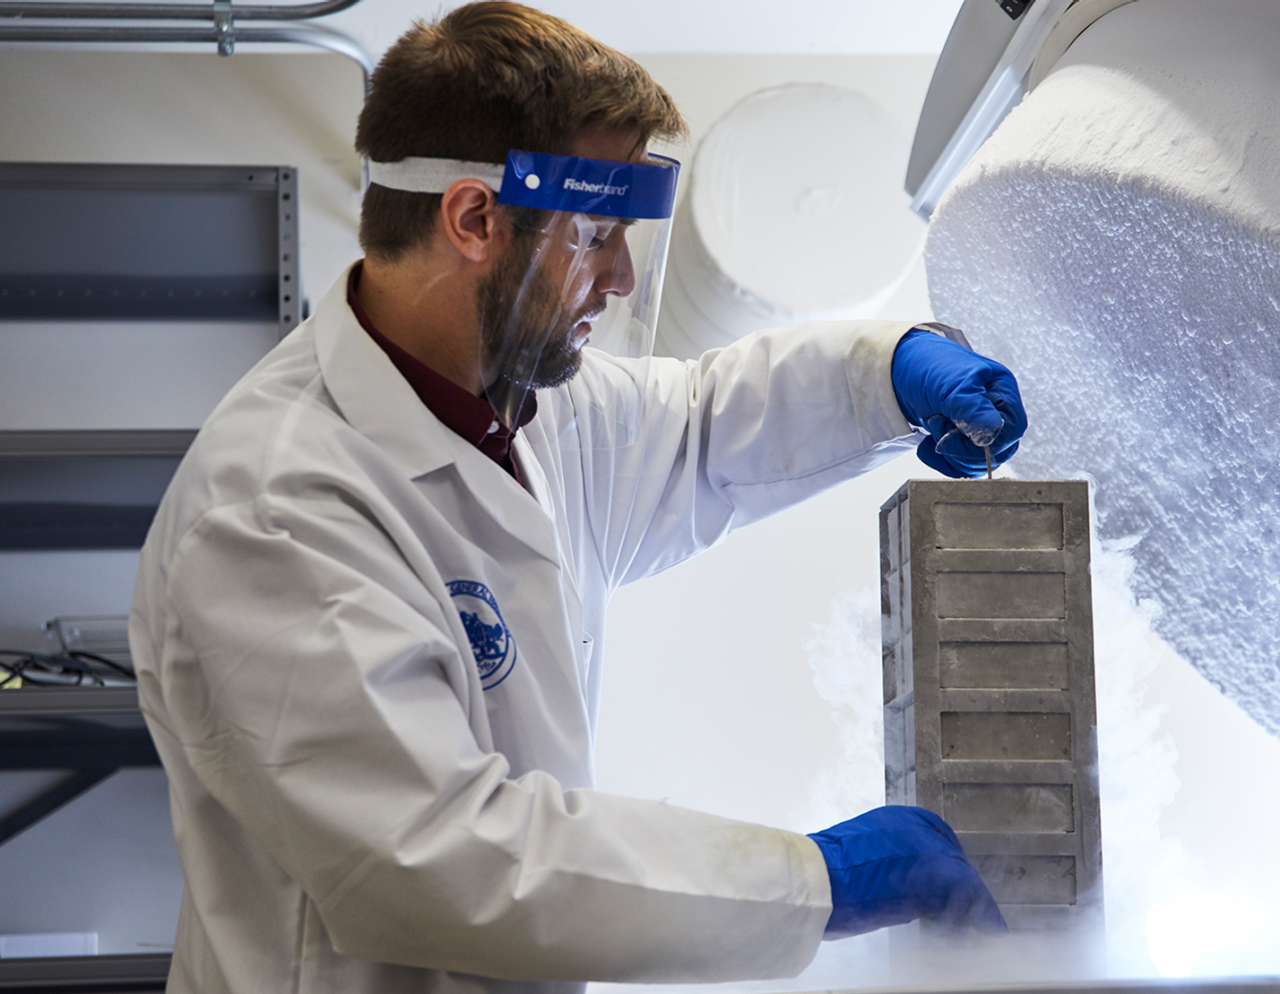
{"x": 369, "y": 617}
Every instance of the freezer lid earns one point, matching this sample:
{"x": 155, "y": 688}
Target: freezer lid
{"x": 996, "y": 52}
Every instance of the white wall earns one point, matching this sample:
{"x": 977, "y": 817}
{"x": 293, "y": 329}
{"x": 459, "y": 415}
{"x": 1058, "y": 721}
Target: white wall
{"x": 808, "y": 27}
{"x": 716, "y": 707}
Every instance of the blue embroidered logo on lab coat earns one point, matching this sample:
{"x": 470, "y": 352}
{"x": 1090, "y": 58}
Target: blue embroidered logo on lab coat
{"x": 491, "y": 643}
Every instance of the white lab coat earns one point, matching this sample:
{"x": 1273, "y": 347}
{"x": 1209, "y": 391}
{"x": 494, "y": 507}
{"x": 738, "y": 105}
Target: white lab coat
{"x": 355, "y": 811}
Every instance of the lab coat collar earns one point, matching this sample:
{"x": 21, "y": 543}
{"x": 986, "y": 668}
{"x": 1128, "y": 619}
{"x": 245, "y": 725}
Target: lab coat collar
{"x": 371, "y": 394}
{"x": 380, "y": 404}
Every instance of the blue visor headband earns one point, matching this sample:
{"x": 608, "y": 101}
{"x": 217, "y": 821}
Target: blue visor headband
{"x": 548, "y": 182}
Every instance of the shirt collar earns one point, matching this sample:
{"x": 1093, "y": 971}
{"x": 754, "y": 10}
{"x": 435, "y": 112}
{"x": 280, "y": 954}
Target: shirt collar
{"x": 472, "y": 417}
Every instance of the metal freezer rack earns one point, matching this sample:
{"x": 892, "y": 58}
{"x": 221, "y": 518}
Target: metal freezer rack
{"x": 988, "y": 685}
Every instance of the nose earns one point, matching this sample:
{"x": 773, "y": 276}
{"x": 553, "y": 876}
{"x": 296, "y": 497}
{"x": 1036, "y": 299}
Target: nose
{"x": 618, "y": 274}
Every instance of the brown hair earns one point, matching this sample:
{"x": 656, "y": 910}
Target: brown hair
{"x": 484, "y": 79}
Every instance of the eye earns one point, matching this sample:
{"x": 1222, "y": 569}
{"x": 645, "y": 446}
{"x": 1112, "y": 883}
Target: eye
{"x": 602, "y": 230}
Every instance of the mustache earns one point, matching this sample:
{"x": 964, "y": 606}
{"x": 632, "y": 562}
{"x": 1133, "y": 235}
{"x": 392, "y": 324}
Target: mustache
{"x": 590, "y": 313}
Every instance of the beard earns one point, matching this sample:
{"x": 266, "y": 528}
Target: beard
{"x": 526, "y": 327}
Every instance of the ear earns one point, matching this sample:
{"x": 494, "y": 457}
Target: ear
{"x": 468, "y": 216}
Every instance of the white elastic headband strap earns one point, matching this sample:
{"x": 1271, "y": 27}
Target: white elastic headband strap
{"x": 433, "y": 175}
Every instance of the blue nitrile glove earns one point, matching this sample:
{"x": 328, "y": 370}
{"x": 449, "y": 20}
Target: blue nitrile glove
{"x": 896, "y": 864}
{"x": 962, "y": 399}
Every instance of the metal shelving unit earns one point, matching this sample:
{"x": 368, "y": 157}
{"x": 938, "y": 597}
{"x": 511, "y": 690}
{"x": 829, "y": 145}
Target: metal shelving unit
{"x": 91, "y": 732}
{"x": 158, "y": 272}
{"x": 131, "y": 298}
{"x": 127, "y": 974}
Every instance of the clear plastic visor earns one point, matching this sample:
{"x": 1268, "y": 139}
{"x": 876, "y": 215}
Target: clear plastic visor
{"x": 584, "y": 265}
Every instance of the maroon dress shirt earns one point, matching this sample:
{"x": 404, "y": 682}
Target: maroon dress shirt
{"x": 472, "y": 417}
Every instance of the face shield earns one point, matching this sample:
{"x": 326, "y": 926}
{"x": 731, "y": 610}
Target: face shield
{"x": 585, "y": 263}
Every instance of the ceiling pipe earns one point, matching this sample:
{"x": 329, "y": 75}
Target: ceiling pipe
{"x": 172, "y": 11}
{"x": 222, "y": 33}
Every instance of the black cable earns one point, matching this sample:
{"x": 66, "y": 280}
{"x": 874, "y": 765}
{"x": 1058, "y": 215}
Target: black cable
{"x": 103, "y": 661}
{"x": 30, "y": 667}
{"x": 21, "y": 673}
{"x": 73, "y": 669}
{"x": 11, "y": 674}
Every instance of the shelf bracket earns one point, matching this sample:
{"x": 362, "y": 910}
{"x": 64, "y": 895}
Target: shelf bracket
{"x": 51, "y": 800}
{"x": 224, "y": 27}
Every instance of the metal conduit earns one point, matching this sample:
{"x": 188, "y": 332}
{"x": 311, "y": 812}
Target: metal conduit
{"x": 297, "y": 34}
{"x": 172, "y": 11}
